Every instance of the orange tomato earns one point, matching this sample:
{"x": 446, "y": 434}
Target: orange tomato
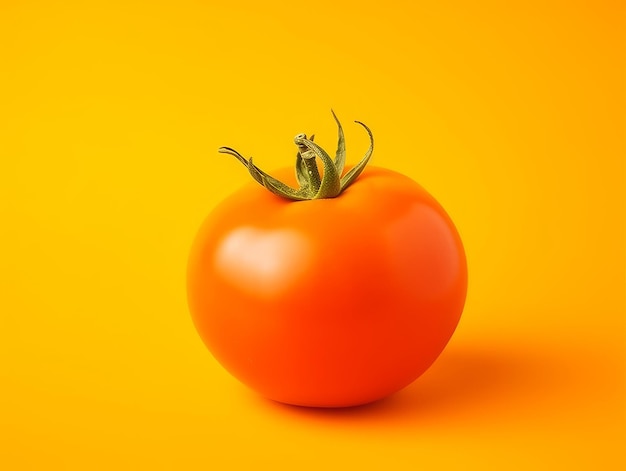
{"x": 328, "y": 302}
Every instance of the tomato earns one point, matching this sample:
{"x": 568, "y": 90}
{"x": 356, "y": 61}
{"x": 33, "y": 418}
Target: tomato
{"x": 328, "y": 302}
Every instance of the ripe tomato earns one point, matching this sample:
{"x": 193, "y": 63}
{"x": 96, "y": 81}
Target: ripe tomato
{"x": 328, "y": 302}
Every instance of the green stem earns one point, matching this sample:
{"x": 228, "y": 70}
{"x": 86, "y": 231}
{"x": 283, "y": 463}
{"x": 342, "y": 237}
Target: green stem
{"x": 308, "y": 157}
{"x": 314, "y": 173}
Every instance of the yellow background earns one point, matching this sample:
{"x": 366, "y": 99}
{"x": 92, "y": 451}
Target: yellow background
{"x": 512, "y": 114}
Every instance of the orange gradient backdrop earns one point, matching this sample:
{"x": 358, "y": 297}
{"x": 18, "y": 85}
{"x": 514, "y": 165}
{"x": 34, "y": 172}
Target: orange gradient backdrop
{"x": 512, "y": 114}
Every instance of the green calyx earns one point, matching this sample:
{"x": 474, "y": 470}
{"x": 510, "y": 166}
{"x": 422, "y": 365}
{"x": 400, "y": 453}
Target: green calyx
{"x": 312, "y": 186}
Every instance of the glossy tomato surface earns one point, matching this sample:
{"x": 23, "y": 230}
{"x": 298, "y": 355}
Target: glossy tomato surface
{"x": 330, "y": 302}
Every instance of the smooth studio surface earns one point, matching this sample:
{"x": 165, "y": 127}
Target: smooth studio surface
{"x": 111, "y": 114}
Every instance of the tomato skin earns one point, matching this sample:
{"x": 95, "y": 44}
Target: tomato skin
{"x": 330, "y": 302}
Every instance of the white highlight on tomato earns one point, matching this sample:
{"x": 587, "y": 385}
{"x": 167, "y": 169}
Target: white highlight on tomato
{"x": 262, "y": 262}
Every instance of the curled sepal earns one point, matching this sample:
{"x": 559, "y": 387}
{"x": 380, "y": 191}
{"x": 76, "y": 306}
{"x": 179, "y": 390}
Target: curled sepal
{"x": 331, "y": 184}
{"x": 352, "y": 175}
{"x": 340, "y": 155}
{"x": 275, "y": 186}
{"x": 243, "y": 160}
